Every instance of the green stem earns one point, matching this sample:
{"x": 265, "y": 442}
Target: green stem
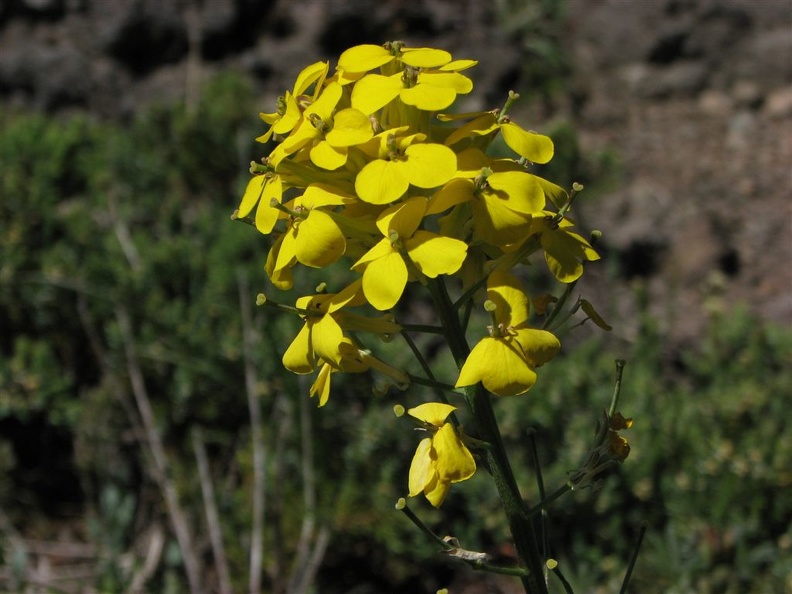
{"x": 449, "y": 548}
{"x": 559, "y": 306}
{"x": 541, "y": 488}
{"x": 631, "y": 566}
{"x": 545, "y": 502}
{"x": 425, "y": 328}
{"x": 620, "y": 363}
{"x": 522, "y": 528}
{"x": 566, "y": 585}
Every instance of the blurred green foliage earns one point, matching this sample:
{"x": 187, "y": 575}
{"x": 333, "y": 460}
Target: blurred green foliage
{"x": 95, "y": 217}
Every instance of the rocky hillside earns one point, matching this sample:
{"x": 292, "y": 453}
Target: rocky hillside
{"x": 692, "y": 100}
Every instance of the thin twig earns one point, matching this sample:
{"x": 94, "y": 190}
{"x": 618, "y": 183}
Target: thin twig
{"x": 308, "y": 557}
{"x": 159, "y": 458}
{"x": 212, "y": 517}
{"x": 259, "y": 452}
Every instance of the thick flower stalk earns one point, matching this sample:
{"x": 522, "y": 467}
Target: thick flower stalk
{"x": 366, "y": 172}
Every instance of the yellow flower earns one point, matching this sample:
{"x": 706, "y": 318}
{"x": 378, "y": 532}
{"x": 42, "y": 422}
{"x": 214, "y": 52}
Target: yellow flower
{"x": 329, "y": 133}
{"x": 288, "y": 111}
{"x": 400, "y": 161}
{"x": 536, "y": 148}
{"x": 565, "y": 251}
{"x": 385, "y": 266}
{"x": 322, "y": 341}
{"x": 312, "y": 238}
{"x": 429, "y": 90}
{"x": 502, "y": 203}
{"x": 505, "y": 361}
{"x": 362, "y": 58}
{"x": 442, "y": 458}
{"x": 261, "y": 190}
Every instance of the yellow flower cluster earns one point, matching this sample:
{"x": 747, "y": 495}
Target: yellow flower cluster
{"x": 367, "y": 165}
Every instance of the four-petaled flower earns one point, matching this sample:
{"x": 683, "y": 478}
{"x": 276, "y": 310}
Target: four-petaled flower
{"x": 387, "y": 266}
{"x": 398, "y": 160}
{"x": 504, "y": 362}
{"x": 440, "y": 459}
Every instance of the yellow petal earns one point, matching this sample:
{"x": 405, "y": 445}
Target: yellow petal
{"x": 436, "y": 491}
{"x": 521, "y": 189}
{"x": 430, "y": 165}
{"x": 403, "y": 218}
{"x": 454, "y": 462}
{"x": 363, "y": 58}
{"x": 321, "y": 385}
{"x": 512, "y": 305}
{"x": 280, "y": 277}
{"x": 350, "y": 127}
{"x": 454, "y": 192}
{"x": 382, "y": 182}
{"x": 319, "y": 240}
{"x": 321, "y": 194}
{"x": 434, "y": 413}
{"x": 299, "y": 357}
{"x": 538, "y": 346}
{"x": 313, "y": 73}
{"x": 266, "y": 215}
{"x": 428, "y": 97}
{"x": 326, "y": 156}
{"x": 326, "y": 336}
{"x": 457, "y": 65}
{"x": 374, "y": 91}
{"x": 483, "y": 124}
{"x": 380, "y": 249}
{"x": 253, "y": 191}
{"x": 434, "y": 254}
{"x": 288, "y": 120}
{"x": 537, "y": 148}
{"x": 564, "y": 251}
{"x": 448, "y": 80}
{"x": 384, "y": 281}
{"x": 496, "y": 223}
{"x": 326, "y": 102}
{"x": 498, "y": 364}
{"x": 424, "y": 57}
{"x": 421, "y": 468}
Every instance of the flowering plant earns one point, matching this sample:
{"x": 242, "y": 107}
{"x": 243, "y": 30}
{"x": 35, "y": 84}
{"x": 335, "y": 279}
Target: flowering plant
{"x": 371, "y": 164}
